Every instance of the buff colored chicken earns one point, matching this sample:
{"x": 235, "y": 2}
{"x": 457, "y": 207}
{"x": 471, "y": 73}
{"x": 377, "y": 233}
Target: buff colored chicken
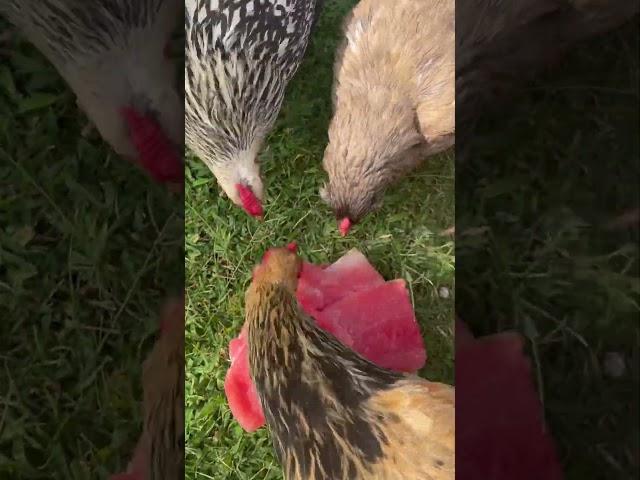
{"x": 394, "y": 100}
{"x": 332, "y": 414}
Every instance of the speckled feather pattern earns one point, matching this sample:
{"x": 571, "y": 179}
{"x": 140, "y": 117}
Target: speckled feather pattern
{"x": 332, "y": 414}
{"x": 240, "y": 56}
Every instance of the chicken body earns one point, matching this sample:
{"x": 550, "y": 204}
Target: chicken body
{"x": 394, "y": 100}
{"x": 240, "y": 56}
{"x": 111, "y": 54}
{"x": 332, "y": 414}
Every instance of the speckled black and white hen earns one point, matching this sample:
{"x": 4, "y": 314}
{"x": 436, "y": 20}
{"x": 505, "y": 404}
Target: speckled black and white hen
{"x": 240, "y": 56}
{"x": 112, "y": 55}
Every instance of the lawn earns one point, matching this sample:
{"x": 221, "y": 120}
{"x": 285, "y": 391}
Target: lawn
{"x": 403, "y": 240}
{"x": 535, "y": 251}
{"x": 89, "y": 250}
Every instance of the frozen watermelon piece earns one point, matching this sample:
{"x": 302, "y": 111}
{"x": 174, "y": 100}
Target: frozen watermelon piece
{"x": 238, "y": 344}
{"x": 320, "y": 287}
{"x": 351, "y": 300}
{"x": 500, "y": 430}
{"x": 380, "y": 325}
{"x": 239, "y": 388}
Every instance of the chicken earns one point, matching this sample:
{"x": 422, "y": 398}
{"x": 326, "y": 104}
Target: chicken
{"x": 394, "y": 100}
{"x": 159, "y": 454}
{"x": 332, "y": 414}
{"x": 502, "y": 44}
{"x": 111, "y": 54}
{"x": 240, "y": 56}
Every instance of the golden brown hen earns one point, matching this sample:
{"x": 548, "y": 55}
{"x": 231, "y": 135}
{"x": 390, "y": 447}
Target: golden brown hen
{"x": 333, "y": 414}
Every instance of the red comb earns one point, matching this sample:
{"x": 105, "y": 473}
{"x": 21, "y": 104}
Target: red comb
{"x": 156, "y": 154}
{"x": 250, "y": 202}
{"x": 344, "y": 226}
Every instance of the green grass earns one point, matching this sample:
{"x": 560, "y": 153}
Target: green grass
{"x": 223, "y": 244}
{"x": 533, "y": 251}
{"x": 89, "y": 249}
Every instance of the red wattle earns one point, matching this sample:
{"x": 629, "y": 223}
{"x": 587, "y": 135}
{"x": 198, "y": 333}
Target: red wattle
{"x": 250, "y": 202}
{"x": 344, "y": 226}
{"x": 156, "y": 154}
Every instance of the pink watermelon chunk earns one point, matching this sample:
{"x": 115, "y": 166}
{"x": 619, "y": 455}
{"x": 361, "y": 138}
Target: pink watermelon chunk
{"x": 239, "y": 388}
{"x": 500, "y": 431}
{"x": 320, "y": 287}
{"x": 379, "y": 324}
{"x": 351, "y": 300}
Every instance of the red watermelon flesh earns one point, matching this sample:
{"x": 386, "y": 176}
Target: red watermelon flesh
{"x": 320, "y": 287}
{"x": 239, "y": 388}
{"x": 500, "y": 431}
{"x": 237, "y": 345}
{"x": 379, "y": 324}
{"x": 351, "y": 300}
